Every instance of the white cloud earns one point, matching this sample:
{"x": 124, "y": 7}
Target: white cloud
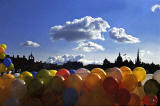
{"x": 145, "y": 52}
{"x": 119, "y": 35}
{"x": 155, "y": 8}
{"x": 65, "y": 58}
{"x": 30, "y": 44}
{"x": 82, "y": 29}
{"x": 89, "y": 47}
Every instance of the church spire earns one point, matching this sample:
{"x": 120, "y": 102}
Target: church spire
{"x": 138, "y": 58}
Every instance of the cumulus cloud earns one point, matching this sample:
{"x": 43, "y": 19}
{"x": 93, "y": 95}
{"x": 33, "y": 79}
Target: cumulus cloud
{"x": 86, "y": 28}
{"x": 119, "y": 35}
{"x": 30, "y": 44}
{"x": 65, "y": 58}
{"x": 89, "y": 47}
{"x": 155, "y": 8}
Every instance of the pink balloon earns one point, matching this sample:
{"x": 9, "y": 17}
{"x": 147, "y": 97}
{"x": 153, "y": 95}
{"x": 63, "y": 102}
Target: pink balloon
{"x": 63, "y": 72}
{"x": 83, "y": 73}
{"x": 115, "y": 73}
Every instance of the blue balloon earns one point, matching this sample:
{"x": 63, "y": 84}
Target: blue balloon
{"x": 72, "y": 71}
{"x": 69, "y": 97}
{"x": 34, "y": 73}
{"x": 7, "y": 62}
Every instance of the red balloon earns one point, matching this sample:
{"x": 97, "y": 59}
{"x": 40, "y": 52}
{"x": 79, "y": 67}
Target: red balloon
{"x": 123, "y": 96}
{"x": 150, "y": 100}
{"x": 63, "y": 72}
{"x": 110, "y": 86}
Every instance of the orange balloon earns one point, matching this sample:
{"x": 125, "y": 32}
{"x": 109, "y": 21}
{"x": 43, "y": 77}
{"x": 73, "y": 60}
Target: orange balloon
{"x": 100, "y": 72}
{"x": 2, "y": 50}
{"x": 8, "y": 79}
{"x": 75, "y": 81}
{"x": 135, "y": 100}
{"x": 93, "y": 80}
{"x": 139, "y": 91}
{"x": 125, "y": 70}
{"x": 129, "y": 82}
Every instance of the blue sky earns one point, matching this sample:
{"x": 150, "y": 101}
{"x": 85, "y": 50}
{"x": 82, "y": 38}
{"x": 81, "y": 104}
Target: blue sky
{"x": 31, "y": 20}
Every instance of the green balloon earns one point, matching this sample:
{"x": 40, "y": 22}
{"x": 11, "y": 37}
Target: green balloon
{"x": 45, "y": 76}
{"x": 151, "y": 87}
{"x": 35, "y": 87}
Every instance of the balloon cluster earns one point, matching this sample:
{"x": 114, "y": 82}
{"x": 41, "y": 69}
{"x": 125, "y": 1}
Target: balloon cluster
{"x": 7, "y": 62}
{"x": 114, "y": 86}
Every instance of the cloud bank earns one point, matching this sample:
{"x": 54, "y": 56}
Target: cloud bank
{"x": 65, "y": 58}
{"x": 30, "y": 44}
{"x": 155, "y": 8}
{"x": 119, "y": 35}
{"x": 86, "y": 28}
{"x": 89, "y": 47}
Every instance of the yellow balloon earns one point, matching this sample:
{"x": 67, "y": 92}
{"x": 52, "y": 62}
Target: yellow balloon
{"x": 140, "y": 73}
{"x": 3, "y": 68}
{"x": 100, "y": 72}
{"x": 26, "y": 76}
{"x": 53, "y": 72}
{"x": 2, "y": 56}
{"x": 4, "y": 46}
{"x": 125, "y": 70}
{"x": 11, "y": 67}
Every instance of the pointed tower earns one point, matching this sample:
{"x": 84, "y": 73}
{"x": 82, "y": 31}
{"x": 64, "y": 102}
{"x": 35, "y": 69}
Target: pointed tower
{"x": 31, "y": 57}
{"x": 138, "y": 61}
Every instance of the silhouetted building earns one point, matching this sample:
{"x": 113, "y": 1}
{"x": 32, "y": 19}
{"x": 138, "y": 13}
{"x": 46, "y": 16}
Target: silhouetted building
{"x": 119, "y": 60}
{"x": 138, "y": 60}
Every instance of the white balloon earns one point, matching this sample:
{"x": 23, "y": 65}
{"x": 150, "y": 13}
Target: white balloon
{"x": 18, "y": 88}
{"x": 16, "y": 75}
{"x": 148, "y": 77}
{"x": 156, "y": 76}
{"x": 11, "y": 102}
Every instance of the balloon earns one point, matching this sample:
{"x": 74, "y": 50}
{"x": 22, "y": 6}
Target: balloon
{"x": 69, "y": 97}
{"x": 11, "y": 102}
{"x": 63, "y": 72}
{"x": 123, "y": 96}
{"x": 139, "y": 91}
{"x": 135, "y": 100}
{"x": 34, "y": 73}
{"x": 151, "y": 87}
{"x": 156, "y": 76}
{"x": 35, "y": 87}
{"x": 75, "y": 81}
{"x": 4, "y": 46}
{"x": 49, "y": 98}
{"x": 45, "y": 76}
{"x": 8, "y": 79}
{"x": 16, "y": 75}
{"x": 11, "y": 67}
{"x": 148, "y": 76}
{"x": 2, "y": 56}
{"x": 115, "y": 73}
{"x": 93, "y": 80}
{"x": 57, "y": 84}
{"x": 140, "y": 73}
{"x": 150, "y": 100}
{"x": 100, "y": 72}
{"x": 26, "y": 76}
{"x": 53, "y": 72}
{"x": 72, "y": 71}
{"x": 2, "y": 68}
{"x": 7, "y": 62}
{"x": 83, "y": 73}
{"x": 110, "y": 86}
{"x": 2, "y": 50}
{"x": 18, "y": 88}
{"x": 129, "y": 82}
{"x": 125, "y": 70}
